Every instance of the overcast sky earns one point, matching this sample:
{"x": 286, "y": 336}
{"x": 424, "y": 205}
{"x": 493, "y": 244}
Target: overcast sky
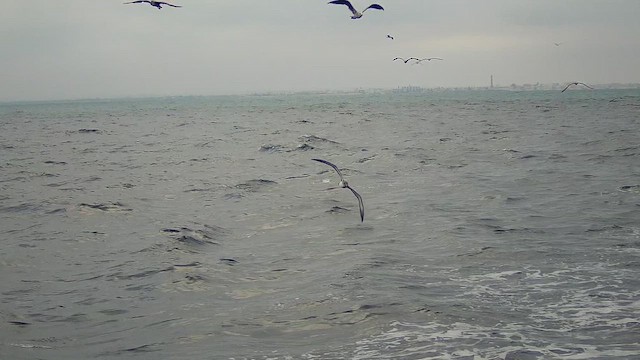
{"x": 70, "y": 49}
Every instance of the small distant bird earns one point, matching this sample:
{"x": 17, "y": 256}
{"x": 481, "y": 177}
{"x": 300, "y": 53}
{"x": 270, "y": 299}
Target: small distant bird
{"x": 429, "y": 59}
{"x": 576, "y": 83}
{"x": 356, "y": 13}
{"x": 407, "y": 60}
{"x": 557, "y": 44}
{"x": 157, "y": 4}
{"x": 389, "y": 36}
{"x": 343, "y": 184}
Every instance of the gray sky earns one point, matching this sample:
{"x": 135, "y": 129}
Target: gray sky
{"x": 70, "y": 49}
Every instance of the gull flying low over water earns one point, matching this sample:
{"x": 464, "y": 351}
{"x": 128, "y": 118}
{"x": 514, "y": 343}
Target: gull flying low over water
{"x": 356, "y": 13}
{"x": 343, "y": 184}
{"x": 407, "y": 60}
{"x": 157, "y": 4}
{"x": 576, "y": 83}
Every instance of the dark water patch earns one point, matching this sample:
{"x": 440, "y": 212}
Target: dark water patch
{"x": 604, "y": 228}
{"x": 529, "y": 156}
{"x": 255, "y": 185}
{"x": 270, "y": 148}
{"x": 56, "y": 211}
{"x": 21, "y": 208}
{"x": 196, "y": 190}
{"x": 233, "y": 196}
{"x": 297, "y": 177}
{"x": 106, "y": 207}
{"x": 19, "y": 323}
{"x": 89, "y": 131}
{"x": 195, "y": 278}
{"x": 524, "y": 355}
{"x": 478, "y": 252}
{"x": 113, "y": 312}
{"x": 365, "y": 159}
{"x": 208, "y": 235}
{"x": 190, "y": 240}
{"x": 337, "y": 210}
{"x": 191, "y": 264}
{"x": 138, "y": 275}
{"x": 315, "y": 139}
{"x": 121, "y": 186}
{"x": 302, "y": 147}
{"x": 502, "y": 230}
{"x": 229, "y": 261}
{"x": 17, "y": 178}
{"x": 57, "y": 184}
{"x": 630, "y": 188}
{"x": 142, "y": 349}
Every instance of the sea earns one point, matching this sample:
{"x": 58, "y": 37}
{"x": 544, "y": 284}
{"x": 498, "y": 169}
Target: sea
{"x": 497, "y": 225}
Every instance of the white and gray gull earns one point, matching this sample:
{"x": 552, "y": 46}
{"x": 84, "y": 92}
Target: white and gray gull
{"x": 343, "y": 184}
{"x": 356, "y": 13}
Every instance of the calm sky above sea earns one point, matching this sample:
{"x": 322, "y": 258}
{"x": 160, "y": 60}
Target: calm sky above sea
{"x": 70, "y": 49}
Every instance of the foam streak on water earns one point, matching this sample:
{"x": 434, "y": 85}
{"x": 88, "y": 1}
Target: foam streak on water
{"x": 499, "y": 225}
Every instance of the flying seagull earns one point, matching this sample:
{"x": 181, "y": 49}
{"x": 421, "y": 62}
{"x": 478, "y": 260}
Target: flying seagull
{"x": 390, "y": 37}
{"x": 575, "y": 83}
{"x": 557, "y": 44}
{"x": 407, "y": 60}
{"x": 356, "y": 13}
{"x": 429, "y": 59}
{"x": 157, "y": 4}
{"x": 343, "y": 184}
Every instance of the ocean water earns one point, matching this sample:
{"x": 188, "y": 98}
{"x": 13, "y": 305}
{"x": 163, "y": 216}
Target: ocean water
{"x": 498, "y": 225}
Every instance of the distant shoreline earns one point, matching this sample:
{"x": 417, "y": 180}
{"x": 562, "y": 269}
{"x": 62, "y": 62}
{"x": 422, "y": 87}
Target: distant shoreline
{"x": 355, "y": 91}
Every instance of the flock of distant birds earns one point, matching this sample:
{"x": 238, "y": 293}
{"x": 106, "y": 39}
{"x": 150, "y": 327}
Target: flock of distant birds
{"x": 355, "y": 15}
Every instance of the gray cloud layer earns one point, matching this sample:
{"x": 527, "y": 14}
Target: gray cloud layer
{"x": 84, "y": 49}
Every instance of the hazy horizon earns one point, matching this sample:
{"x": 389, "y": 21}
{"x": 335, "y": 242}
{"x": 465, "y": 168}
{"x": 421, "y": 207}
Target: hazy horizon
{"x": 79, "y": 50}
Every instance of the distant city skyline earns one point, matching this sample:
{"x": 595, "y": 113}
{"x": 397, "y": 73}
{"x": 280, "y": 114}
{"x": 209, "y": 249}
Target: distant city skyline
{"x": 77, "y": 49}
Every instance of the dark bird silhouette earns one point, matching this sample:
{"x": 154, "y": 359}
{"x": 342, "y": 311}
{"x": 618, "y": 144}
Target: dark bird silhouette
{"x": 407, "y": 60}
{"x": 343, "y": 184}
{"x": 356, "y": 13}
{"x": 429, "y": 59}
{"x": 390, "y": 37}
{"x": 157, "y": 4}
{"x": 576, "y": 83}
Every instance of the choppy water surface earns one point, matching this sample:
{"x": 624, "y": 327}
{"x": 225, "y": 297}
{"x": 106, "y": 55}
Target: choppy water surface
{"x": 498, "y": 225}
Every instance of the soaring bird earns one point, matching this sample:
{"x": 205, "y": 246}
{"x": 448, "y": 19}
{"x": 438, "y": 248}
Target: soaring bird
{"x": 407, "y": 60}
{"x": 343, "y": 184}
{"x": 389, "y": 36}
{"x": 356, "y": 13}
{"x": 157, "y": 4}
{"x": 575, "y": 83}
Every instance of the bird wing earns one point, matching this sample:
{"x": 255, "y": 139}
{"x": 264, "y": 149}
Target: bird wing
{"x": 164, "y": 3}
{"x": 373, "y": 6}
{"x": 332, "y": 165}
{"x": 581, "y": 83}
{"x": 360, "y": 203}
{"x": 344, "y": 2}
{"x": 135, "y": 2}
{"x": 565, "y": 89}
{"x": 398, "y": 59}
{"x": 406, "y": 61}
{"x": 434, "y": 58}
